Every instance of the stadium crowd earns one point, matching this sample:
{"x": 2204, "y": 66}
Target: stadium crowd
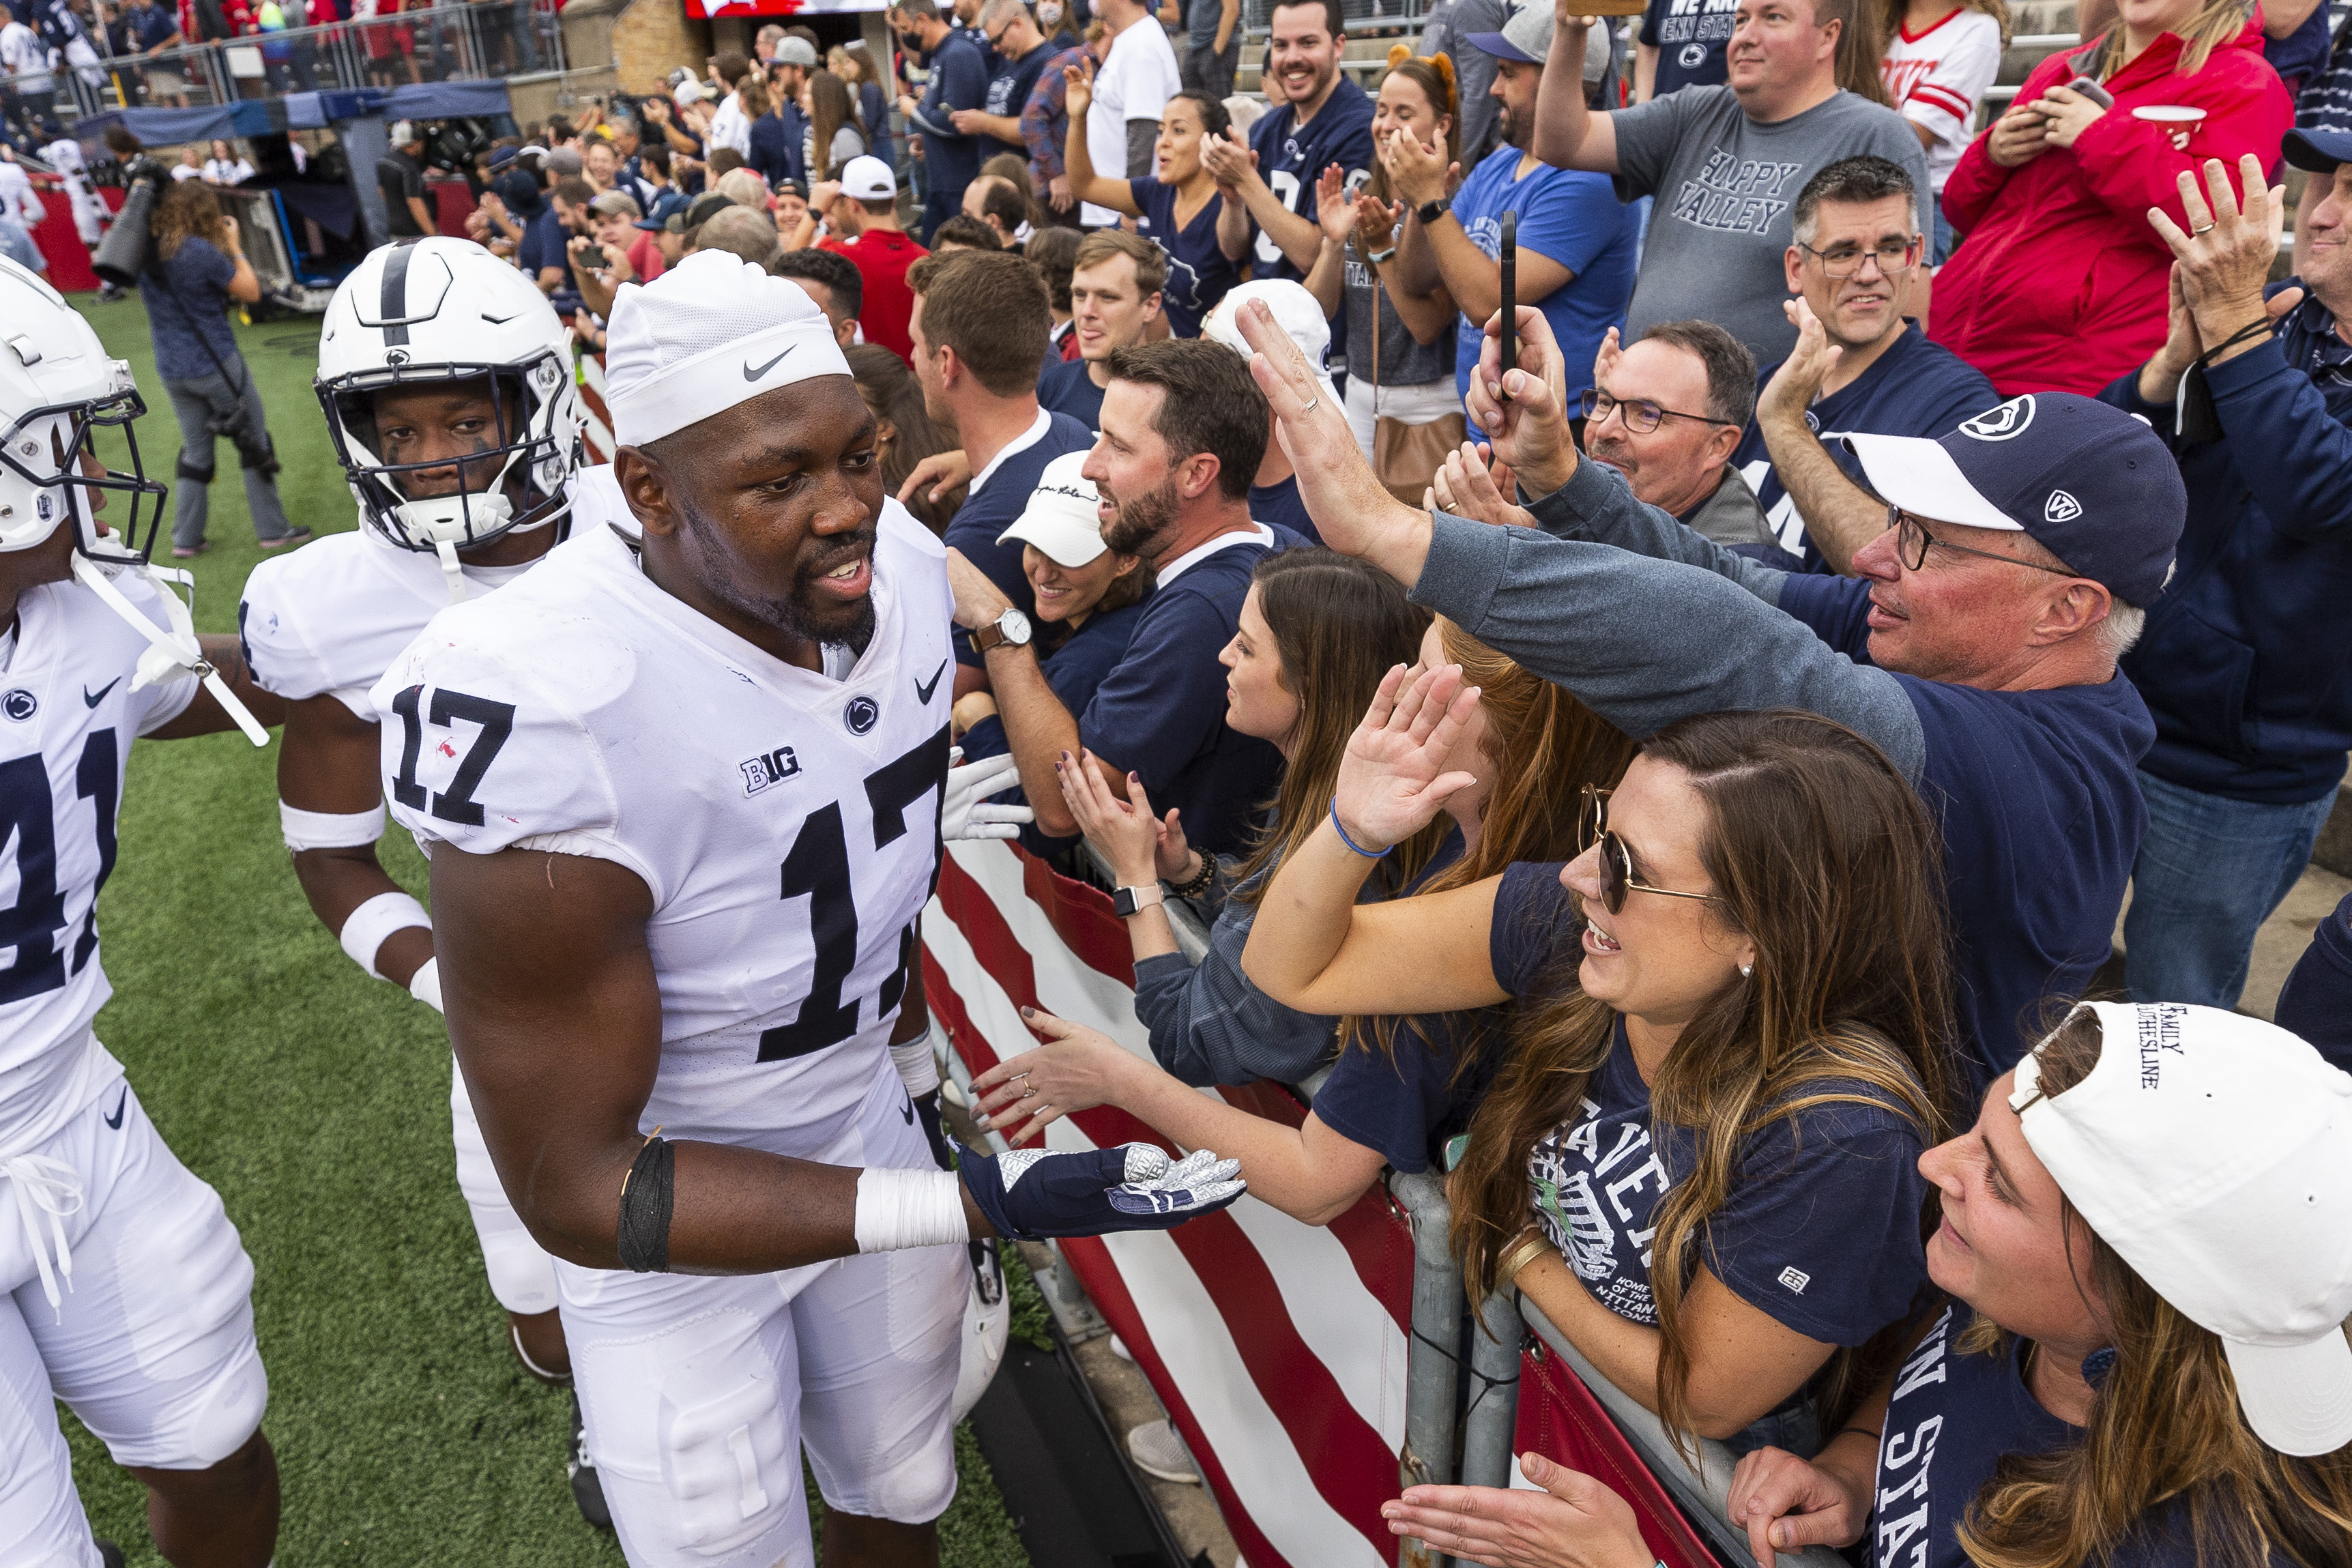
{"x": 1687, "y": 588}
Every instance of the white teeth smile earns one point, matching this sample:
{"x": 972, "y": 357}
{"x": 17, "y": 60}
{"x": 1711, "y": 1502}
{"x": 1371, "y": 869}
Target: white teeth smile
{"x": 1601, "y": 940}
{"x": 845, "y": 572}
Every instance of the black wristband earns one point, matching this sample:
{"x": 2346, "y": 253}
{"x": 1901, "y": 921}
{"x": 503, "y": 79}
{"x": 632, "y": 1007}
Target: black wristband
{"x": 646, "y": 1197}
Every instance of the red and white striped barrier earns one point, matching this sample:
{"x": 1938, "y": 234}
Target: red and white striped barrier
{"x": 1278, "y": 1348}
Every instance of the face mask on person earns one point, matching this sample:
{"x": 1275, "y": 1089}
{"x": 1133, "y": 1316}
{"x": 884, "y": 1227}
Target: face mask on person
{"x": 1049, "y": 16}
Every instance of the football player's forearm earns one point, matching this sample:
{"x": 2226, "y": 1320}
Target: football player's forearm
{"x": 337, "y": 881}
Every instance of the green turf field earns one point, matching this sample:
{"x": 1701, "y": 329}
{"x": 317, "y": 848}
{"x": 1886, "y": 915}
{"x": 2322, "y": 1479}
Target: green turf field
{"x": 316, "y": 1100}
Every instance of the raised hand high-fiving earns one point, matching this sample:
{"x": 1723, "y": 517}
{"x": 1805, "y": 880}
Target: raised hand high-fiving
{"x": 1393, "y": 780}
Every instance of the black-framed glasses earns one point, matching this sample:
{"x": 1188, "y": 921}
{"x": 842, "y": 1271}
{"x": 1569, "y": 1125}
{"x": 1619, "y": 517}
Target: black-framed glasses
{"x": 1845, "y": 260}
{"x": 1640, "y": 414}
{"x": 1616, "y": 860}
{"x": 1912, "y": 541}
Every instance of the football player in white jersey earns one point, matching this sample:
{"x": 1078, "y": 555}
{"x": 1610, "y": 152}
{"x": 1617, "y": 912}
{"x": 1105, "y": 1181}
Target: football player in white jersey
{"x": 446, "y": 381}
{"x": 683, "y": 796}
{"x": 124, "y": 1291}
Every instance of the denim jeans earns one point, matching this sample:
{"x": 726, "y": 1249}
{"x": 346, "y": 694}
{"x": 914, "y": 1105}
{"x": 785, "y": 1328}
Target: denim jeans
{"x": 2209, "y": 872}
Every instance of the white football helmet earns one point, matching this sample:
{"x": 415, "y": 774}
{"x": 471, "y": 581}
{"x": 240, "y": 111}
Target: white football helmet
{"x": 441, "y": 309}
{"x": 57, "y": 388}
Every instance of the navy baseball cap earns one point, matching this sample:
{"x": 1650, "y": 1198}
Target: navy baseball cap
{"x": 2317, "y": 149}
{"x": 2092, "y": 484}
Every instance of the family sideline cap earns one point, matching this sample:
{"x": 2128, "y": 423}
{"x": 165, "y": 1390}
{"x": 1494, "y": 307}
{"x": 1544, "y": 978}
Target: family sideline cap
{"x": 2214, "y": 1153}
{"x": 2093, "y": 484}
{"x": 712, "y": 331}
{"x": 867, "y": 178}
{"x": 1060, "y": 519}
{"x": 1294, "y": 311}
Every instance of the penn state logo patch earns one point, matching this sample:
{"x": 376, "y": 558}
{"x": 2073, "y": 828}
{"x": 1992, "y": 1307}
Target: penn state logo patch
{"x": 862, "y": 714}
{"x": 2002, "y": 423}
{"x": 2061, "y": 507}
{"x": 19, "y": 704}
{"x": 1692, "y": 56}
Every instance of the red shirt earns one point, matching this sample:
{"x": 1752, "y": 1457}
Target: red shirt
{"x": 882, "y": 256}
{"x": 645, "y": 256}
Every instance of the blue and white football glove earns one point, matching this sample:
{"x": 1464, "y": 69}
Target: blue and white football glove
{"x": 1030, "y": 1194}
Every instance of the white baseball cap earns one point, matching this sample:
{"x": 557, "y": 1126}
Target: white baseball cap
{"x": 1294, "y": 311}
{"x": 712, "y": 331}
{"x": 2214, "y": 1154}
{"x": 867, "y": 178}
{"x": 1060, "y": 519}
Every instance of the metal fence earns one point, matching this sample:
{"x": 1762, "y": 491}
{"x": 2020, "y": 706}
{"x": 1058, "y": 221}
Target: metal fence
{"x": 454, "y": 40}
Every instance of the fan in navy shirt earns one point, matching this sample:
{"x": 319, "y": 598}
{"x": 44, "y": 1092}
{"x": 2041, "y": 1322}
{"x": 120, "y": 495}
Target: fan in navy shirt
{"x": 950, "y": 159}
{"x": 1326, "y": 120}
{"x": 2316, "y": 1003}
{"x": 1015, "y": 79}
{"x": 1177, "y": 209}
{"x": 1066, "y": 388}
{"x": 1682, "y": 44}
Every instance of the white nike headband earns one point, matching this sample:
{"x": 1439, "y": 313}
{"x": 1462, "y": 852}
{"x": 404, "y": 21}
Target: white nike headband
{"x": 711, "y": 332}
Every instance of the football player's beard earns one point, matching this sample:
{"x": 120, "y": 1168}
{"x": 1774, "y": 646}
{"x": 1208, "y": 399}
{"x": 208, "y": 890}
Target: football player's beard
{"x": 805, "y": 614}
{"x": 1143, "y": 524}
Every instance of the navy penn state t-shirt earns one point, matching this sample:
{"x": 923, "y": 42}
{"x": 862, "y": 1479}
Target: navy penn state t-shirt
{"x": 1290, "y": 159}
{"x": 1690, "y": 36}
{"x": 1821, "y": 1229}
{"x": 1066, "y": 388}
{"x": 1915, "y": 388}
{"x": 1198, "y": 272}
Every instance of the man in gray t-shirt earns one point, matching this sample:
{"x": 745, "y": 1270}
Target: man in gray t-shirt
{"x": 1726, "y": 165}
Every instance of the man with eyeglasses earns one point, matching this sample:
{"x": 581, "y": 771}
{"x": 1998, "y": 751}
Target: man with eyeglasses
{"x": 1864, "y": 363}
{"x": 1976, "y": 650}
{"x": 2246, "y": 665}
{"x": 1021, "y": 52}
{"x": 1666, "y": 414}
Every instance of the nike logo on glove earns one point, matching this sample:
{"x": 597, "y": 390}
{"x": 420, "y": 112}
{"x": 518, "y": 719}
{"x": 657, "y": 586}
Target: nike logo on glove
{"x": 114, "y": 1122}
{"x": 89, "y": 700}
{"x": 922, "y": 692}
{"x": 909, "y": 1113}
{"x": 751, "y": 375}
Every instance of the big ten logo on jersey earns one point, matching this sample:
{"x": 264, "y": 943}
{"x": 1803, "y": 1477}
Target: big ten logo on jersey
{"x": 38, "y": 840}
{"x": 767, "y": 769}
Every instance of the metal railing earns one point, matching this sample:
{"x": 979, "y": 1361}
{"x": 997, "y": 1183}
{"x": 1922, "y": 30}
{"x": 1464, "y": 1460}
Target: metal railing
{"x": 457, "y": 40}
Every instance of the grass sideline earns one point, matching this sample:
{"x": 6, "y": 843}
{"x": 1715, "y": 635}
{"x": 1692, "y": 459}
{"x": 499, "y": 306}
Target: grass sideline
{"x": 316, "y": 1100}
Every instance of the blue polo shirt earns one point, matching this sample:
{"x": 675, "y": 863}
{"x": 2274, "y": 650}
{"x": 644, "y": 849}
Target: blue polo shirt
{"x": 1575, "y": 219}
{"x": 1066, "y": 388}
{"x": 2038, "y": 794}
{"x": 1291, "y": 158}
{"x": 1161, "y": 713}
{"x": 1915, "y": 388}
{"x": 1198, "y": 272}
{"x": 995, "y": 500}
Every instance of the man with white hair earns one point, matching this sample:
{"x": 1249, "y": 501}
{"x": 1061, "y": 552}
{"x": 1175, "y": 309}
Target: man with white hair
{"x": 683, "y": 788}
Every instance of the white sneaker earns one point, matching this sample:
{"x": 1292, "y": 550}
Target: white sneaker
{"x": 1159, "y": 1451}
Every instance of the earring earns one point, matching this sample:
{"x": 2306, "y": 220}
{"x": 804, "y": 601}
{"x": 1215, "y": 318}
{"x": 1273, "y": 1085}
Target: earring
{"x": 1746, "y": 970}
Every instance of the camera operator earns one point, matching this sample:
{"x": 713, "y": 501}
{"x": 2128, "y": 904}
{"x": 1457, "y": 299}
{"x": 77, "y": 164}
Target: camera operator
{"x": 197, "y": 267}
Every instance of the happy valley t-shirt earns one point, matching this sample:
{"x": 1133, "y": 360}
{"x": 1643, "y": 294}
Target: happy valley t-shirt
{"x": 1821, "y": 1229}
{"x": 1725, "y": 185}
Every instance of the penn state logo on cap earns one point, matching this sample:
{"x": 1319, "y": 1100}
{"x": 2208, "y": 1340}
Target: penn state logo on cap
{"x": 2006, "y": 423}
{"x": 862, "y": 714}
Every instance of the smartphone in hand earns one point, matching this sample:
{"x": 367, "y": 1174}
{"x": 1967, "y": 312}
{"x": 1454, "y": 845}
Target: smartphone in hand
{"x": 2091, "y": 89}
{"x": 1509, "y": 259}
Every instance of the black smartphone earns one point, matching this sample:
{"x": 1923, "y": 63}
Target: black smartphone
{"x": 2091, "y": 89}
{"x": 1509, "y": 257}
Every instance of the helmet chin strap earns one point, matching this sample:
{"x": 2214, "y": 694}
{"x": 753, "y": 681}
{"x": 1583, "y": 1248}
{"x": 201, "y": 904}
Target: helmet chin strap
{"x": 448, "y": 519}
{"x": 172, "y": 651}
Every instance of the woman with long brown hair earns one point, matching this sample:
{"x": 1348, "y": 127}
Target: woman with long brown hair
{"x": 834, "y": 135}
{"x": 1407, "y": 374}
{"x": 197, "y": 268}
{"x": 1400, "y": 1088}
{"x": 1699, "y": 1160}
{"x": 2144, "y": 1363}
{"x": 906, "y": 435}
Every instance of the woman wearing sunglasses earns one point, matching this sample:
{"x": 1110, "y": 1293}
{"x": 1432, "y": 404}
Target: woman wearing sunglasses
{"x": 1700, "y": 1157}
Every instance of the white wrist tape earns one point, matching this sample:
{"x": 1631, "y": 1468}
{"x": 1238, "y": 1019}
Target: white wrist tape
{"x": 329, "y": 830}
{"x": 917, "y": 1066}
{"x": 377, "y": 919}
{"x": 909, "y": 1208}
{"x": 425, "y": 983}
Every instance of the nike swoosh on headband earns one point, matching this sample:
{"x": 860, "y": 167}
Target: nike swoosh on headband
{"x": 751, "y": 375}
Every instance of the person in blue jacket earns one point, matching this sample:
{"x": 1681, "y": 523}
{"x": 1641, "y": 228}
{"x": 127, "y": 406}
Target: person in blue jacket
{"x": 2245, "y": 663}
{"x": 959, "y": 80}
{"x": 1970, "y": 650}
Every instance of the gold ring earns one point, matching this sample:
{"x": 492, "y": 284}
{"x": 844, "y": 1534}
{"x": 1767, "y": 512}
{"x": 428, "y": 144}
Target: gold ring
{"x": 1311, "y": 404}
{"x": 1029, "y": 1094}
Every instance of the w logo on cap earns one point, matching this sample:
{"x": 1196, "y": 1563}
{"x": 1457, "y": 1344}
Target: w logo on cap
{"x": 2061, "y": 507}
{"x": 2002, "y": 424}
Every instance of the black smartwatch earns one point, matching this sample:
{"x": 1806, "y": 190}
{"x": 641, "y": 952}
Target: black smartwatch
{"x": 1127, "y": 901}
{"x": 1430, "y": 212}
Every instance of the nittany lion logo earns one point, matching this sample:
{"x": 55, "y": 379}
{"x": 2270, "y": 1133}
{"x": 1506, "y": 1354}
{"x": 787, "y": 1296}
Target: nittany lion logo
{"x": 1692, "y": 56}
{"x": 861, "y": 715}
{"x": 2004, "y": 423}
{"x": 2061, "y": 507}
